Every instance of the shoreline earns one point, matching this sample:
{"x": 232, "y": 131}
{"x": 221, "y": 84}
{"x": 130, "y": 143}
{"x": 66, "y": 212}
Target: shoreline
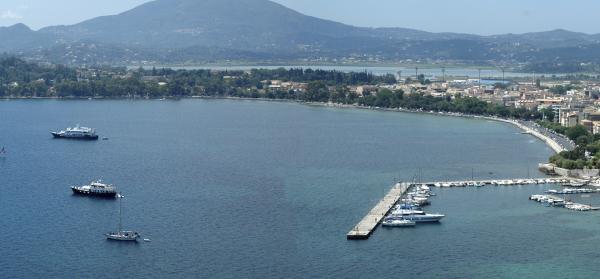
{"x": 553, "y": 144}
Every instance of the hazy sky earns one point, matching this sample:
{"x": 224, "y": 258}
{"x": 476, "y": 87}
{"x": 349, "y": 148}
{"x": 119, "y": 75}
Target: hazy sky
{"x": 468, "y": 16}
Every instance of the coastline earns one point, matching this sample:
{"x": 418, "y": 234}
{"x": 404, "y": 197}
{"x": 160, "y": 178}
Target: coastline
{"x": 550, "y": 142}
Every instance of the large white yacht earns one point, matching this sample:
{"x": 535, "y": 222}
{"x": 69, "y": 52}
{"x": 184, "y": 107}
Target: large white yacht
{"x": 77, "y": 132}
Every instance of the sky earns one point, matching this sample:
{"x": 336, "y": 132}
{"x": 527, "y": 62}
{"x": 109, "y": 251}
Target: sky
{"x": 483, "y": 17}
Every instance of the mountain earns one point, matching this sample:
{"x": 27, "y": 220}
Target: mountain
{"x": 194, "y": 31}
{"x": 248, "y": 24}
{"x": 20, "y": 37}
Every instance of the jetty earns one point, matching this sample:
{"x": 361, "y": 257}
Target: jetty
{"x": 367, "y": 225}
{"x": 551, "y": 200}
{"x": 501, "y": 182}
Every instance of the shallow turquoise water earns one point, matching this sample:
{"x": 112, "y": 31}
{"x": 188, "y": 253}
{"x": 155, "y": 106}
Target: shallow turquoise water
{"x": 230, "y": 189}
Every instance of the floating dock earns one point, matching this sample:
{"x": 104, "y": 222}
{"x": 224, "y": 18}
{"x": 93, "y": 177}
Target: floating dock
{"x": 367, "y": 225}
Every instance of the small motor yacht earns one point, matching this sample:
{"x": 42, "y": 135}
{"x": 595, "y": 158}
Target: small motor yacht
{"x": 395, "y": 222}
{"x": 425, "y": 218}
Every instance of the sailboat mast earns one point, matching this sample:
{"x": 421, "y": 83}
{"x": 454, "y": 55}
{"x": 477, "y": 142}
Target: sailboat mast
{"x": 120, "y": 215}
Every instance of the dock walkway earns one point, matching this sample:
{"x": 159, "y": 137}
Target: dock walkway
{"x": 368, "y": 224}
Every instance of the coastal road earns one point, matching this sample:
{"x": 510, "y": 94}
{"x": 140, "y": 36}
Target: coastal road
{"x": 562, "y": 140}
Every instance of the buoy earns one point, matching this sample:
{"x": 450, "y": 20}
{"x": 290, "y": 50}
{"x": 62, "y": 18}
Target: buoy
{"x": 147, "y": 240}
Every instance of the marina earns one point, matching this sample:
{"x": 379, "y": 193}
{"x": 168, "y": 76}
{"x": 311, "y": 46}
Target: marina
{"x": 401, "y": 207}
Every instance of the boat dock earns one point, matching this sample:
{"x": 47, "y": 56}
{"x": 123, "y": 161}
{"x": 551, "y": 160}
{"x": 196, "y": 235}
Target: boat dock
{"x": 368, "y": 224}
{"x": 551, "y": 200}
{"x": 500, "y": 182}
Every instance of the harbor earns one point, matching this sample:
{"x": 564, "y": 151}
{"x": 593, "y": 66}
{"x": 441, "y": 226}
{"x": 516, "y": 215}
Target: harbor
{"x": 401, "y": 207}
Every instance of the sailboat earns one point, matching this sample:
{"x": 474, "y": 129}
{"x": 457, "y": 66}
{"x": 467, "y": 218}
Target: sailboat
{"x": 2, "y": 152}
{"x": 122, "y": 235}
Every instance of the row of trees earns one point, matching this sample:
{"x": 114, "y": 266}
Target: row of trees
{"x": 323, "y": 86}
{"x": 19, "y": 78}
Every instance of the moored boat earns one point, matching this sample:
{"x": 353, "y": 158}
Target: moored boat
{"x": 95, "y": 188}
{"x": 425, "y": 218}
{"x": 120, "y": 234}
{"x": 397, "y": 222}
{"x": 78, "y": 132}
{"x": 123, "y": 236}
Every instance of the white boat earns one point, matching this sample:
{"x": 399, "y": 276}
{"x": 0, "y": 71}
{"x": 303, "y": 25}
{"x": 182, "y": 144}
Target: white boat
{"x": 425, "y": 218}
{"x": 121, "y": 235}
{"x": 421, "y": 200}
{"x": 96, "y": 188}
{"x": 403, "y": 212}
{"x": 77, "y": 132}
{"x": 397, "y": 222}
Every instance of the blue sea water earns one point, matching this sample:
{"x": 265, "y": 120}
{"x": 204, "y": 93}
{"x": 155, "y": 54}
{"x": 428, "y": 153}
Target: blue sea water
{"x": 251, "y": 189}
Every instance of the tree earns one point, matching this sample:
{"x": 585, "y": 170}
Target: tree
{"x": 339, "y": 95}
{"x": 316, "y": 91}
{"x": 576, "y": 131}
{"x": 548, "y": 114}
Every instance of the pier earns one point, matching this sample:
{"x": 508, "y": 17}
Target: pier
{"x": 368, "y": 224}
{"x": 500, "y": 182}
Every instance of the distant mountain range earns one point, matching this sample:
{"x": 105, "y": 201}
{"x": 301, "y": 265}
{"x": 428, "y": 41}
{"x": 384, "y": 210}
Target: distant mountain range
{"x": 193, "y": 31}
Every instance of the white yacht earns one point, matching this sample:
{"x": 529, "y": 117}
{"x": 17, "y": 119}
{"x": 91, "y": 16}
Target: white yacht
{"x": 96, "y": 188}
{"x": 404, "y": 212}
{"x": 77, "y": 132}
{"x": 425, "y": 218}
{"x": 396, "y": 222}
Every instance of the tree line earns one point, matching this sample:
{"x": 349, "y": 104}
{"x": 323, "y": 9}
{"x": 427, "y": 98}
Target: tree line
{"x": 19, "y": 78}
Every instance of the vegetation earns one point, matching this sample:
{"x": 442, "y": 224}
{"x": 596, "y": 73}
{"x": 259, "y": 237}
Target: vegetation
{"x": 21, "y": 79}
{"x": 585, "y": 155}
{"x": 398, "y": 99}
{"x": 562, "y": 89}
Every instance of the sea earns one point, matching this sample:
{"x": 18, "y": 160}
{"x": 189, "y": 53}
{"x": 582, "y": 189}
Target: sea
{"x": 258, "y": 189}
